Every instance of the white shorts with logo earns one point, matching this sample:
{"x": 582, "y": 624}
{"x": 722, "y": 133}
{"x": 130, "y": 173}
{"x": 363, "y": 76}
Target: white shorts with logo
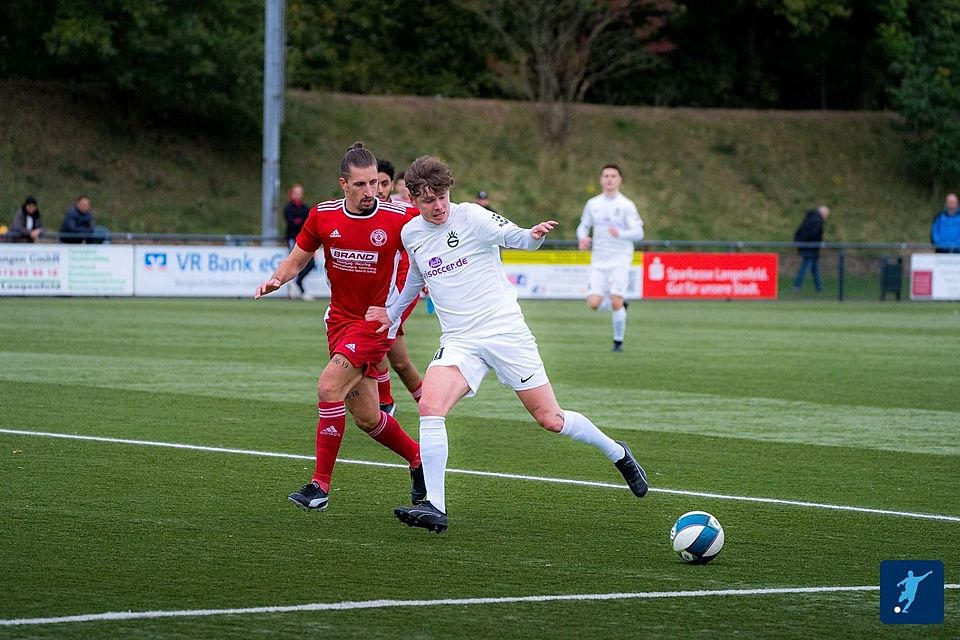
{"x": 514, "y": 357}
{"x": 609, "y": 280}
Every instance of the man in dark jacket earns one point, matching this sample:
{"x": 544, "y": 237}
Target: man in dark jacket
{"x": 295, "y": 214}
{"x": 78, "y": 223}
{"x": 27, "y": 226}
{"x": 810, "y": 230}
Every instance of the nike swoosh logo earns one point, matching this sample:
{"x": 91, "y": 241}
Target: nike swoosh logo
{"x": 415, "y": 249}
{"x": 523, "y": 380}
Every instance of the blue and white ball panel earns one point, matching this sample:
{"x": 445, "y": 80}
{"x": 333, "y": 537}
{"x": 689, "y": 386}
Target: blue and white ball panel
{"x": 697, "y": 536}
{"x": 693, "y": 518}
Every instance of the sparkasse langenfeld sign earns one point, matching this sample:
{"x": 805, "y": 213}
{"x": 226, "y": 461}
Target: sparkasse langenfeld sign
{"x": 710, "y": 275}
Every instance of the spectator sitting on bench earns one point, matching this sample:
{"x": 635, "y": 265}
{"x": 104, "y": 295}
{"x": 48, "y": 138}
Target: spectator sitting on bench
{"x": 78, "y": 223}
{"x": 27, "y": 226}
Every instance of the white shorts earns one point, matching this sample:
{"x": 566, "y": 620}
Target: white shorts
{"x": 612, "y": 280}
{"x": 513, "y": 356}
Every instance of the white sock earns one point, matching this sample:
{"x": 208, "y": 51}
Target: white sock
{"x": 433, "y": 457}
{"x": 619, "y": 324}
{"x": 578, "y": 427}
{"x": 605, "y": 304}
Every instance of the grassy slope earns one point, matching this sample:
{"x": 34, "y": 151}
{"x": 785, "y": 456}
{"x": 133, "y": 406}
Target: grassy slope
{"x": 697, "y": 174}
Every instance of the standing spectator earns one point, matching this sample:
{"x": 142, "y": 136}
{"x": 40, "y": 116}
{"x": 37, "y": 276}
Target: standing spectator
{"x": 78, "y": 223}
{"x": 483, "y": 199}
{"x": 810, "y": 230}
{"x": 295, "y": 213}
{"x": 613, "y": 220}
{"x": 945, "y": 230}
{"x": 27, "y": 226}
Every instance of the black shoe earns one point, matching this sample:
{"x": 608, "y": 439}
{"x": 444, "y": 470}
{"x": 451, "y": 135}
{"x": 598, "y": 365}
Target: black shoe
{"x": 424, "y": 515}
{"x": 388, "y": 408}
{"x": 310, "y": 497}
{"x": 418, "y": 487}
{"x": 632, "y": 472}
{"x": 618, "y": 346}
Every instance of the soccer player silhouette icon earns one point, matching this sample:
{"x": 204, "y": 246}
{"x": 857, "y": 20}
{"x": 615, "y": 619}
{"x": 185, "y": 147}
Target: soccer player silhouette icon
{"x": 909, "y": 585}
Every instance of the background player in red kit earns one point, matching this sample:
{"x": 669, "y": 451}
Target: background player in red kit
{"x": 398, "y": 356}
{"x": 360, "y": 237}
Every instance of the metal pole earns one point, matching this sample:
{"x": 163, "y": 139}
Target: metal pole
{"x": 840, "y": 272}
{"x": 273, "y": 66}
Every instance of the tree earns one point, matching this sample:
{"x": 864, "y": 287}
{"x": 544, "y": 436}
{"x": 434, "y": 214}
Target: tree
{"x": 387, "y": 47}
{"x": 923, "y": 44}
{"x": 557, "y": 51}
{"x": 166, "y": 55}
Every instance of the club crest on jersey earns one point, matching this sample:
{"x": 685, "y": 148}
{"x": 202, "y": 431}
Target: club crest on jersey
{"x": 452, "y": 240}
{"x": 378, "y": 237}
{"x": 435, "y": 262}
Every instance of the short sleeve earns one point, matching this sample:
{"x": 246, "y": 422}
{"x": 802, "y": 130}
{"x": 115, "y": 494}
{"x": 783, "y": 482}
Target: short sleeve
{"x": 309, "y": 239}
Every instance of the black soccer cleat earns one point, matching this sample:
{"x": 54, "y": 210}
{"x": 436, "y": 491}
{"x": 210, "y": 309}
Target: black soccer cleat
{"x": 632, "y": 472}
{"x": 310, "y": 497}
{"x": 424, "y": 515}
{"x": 618, "y": 346}
{"x": 389, "y": 408}
{"x": 418, "y": 486}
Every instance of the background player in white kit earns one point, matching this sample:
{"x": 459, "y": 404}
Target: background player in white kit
{"x": 615, "y": 225}
{"x": 454, "y": 249}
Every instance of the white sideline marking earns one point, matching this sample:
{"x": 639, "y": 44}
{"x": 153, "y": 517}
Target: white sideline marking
{"x": 493, "y": 474}
{"x": 384, "y": 604}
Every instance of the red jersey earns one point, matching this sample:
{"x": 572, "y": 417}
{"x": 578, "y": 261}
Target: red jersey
{"x": 359, "y": 251}
{"x": 404, "y": 265}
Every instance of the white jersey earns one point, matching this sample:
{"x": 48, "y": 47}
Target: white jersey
{"x": 459, "y": 261}
{"x": 599, "y": 214}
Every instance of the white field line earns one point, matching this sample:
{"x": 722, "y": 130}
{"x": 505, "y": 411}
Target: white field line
{"x": 459, "y": 602}
{"x": 493, "y": 474}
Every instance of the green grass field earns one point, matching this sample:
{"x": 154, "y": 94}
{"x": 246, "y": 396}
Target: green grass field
{"x": 817, "y": 402}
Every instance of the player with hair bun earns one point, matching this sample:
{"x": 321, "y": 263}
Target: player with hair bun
{"x": 360, "y": 237}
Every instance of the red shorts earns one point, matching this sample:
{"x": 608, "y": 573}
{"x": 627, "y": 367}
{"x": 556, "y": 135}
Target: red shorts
{"x": 359, "y": 342}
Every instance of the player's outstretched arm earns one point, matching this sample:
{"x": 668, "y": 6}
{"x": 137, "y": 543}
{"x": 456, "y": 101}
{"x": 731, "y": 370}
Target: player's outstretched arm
{"x": 269, "y": 286}
{"x": 542, "y": 229}
{"x": 288, "y": 269}
{"x": 527, "y": 239}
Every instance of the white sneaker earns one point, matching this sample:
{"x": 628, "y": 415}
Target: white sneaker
{"x": 306, "y": 296}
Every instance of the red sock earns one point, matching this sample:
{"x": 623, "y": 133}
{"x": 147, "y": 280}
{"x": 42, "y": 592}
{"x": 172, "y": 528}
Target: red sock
{"x": 390, "y": 434}
{"x": 330, "y": 428}
{"x": 416, "y": 393}
{"x": 383, "y": 386}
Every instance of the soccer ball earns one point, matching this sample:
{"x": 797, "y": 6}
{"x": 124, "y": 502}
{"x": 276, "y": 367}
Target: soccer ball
{"x": 697, "y": 537}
